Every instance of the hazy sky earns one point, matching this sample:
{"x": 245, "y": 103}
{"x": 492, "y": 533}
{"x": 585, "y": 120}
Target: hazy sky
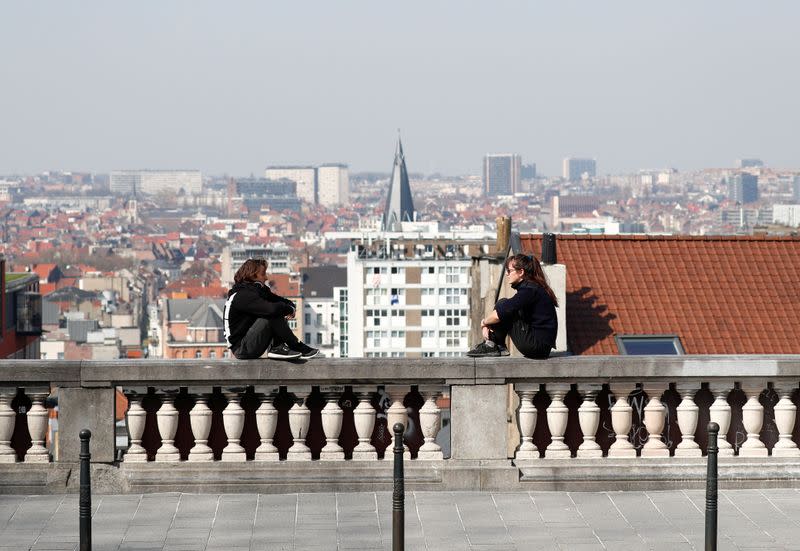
{"x": 235, "y": 86}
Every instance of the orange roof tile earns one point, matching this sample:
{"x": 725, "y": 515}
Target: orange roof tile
{"x": 719, "y": 294}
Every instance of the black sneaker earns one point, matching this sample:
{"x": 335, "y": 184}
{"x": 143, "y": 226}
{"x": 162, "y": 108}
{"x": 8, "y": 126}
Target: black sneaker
{"x": 282, "y": 352}
{"x": 306, "y": 352}
{"x": 484, "y": 350}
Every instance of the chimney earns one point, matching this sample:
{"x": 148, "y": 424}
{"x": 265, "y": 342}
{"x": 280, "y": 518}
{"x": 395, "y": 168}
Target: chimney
{"x": 549, "y": 249}
{"x": 503, "y": 233}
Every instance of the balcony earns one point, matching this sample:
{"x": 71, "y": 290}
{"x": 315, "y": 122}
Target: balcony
{"x": 571, "y": 423}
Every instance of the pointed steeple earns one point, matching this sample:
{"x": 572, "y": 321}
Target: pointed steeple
{"x": 399, "y": 204}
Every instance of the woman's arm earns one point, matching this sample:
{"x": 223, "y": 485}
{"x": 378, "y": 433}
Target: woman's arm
{"x": 491, "y": 319}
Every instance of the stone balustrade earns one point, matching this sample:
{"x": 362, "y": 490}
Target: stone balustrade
{"x": 512, "y": 422}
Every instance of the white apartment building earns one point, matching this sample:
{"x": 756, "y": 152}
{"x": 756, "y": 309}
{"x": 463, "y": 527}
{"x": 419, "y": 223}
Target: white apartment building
{"x": 232, "y": 258}
{"x": 787, "y": 215}
{"x": 333, "y": 185}
{"x": 127, "y": 182}
{"x": 304, "y": 176}
{"x": 407, "y": 307}
{"x": 321, "y": 325}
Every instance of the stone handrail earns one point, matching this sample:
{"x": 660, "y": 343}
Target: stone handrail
{"x": 516, "y": 412}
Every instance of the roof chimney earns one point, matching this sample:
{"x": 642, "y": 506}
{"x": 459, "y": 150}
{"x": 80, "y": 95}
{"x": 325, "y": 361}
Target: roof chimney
{"x": 549, "y": 249}
{"x": 503, "y": 233}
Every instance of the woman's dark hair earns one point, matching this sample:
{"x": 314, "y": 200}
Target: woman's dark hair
{"x": 532, "y": 271}
{"x": 249, "y": 270}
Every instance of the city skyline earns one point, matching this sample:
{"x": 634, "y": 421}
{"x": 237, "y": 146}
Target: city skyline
{"x": 205, "y": 87}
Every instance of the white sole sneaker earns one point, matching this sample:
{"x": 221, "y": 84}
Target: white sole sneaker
{"x": 274, "y": 356}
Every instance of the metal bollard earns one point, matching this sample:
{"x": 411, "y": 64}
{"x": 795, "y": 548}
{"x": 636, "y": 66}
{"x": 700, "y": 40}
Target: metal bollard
{"x": 85, "y": 499}
{"x": 398, "y": 496}
{"x": 711, "y": 488}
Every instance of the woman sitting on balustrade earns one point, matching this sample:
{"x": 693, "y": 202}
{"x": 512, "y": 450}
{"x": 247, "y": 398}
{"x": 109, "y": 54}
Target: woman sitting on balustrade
{"x": 256, "y": 318}
{"x": 529, "y": 317}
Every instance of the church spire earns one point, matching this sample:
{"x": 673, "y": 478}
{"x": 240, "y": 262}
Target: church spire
{"x": 399, "y": 204}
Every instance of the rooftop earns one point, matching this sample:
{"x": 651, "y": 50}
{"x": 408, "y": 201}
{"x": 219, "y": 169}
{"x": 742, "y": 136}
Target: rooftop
{"x": 719, "y": 294}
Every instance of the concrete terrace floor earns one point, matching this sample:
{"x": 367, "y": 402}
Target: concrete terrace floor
{"x": 668, "y": 520}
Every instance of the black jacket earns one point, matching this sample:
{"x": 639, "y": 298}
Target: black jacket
{"x": 533, "y": 306}
{"x": 247, "y": 302}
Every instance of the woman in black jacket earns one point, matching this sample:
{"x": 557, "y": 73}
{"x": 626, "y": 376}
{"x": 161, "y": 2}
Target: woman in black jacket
{"x": 256, "y": 318}
{"x": 529, "y": 317}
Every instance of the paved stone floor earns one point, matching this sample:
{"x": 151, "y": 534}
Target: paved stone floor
{"x": 669, "y": 520}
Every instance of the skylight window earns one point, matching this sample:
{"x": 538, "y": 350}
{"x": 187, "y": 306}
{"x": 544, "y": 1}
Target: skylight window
{"x": 638, "y": 345}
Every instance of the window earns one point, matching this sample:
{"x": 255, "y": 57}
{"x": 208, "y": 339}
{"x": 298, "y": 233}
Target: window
{"x": 212, "y": 354}
{"x": 319, "y": 338}
{"x": 308, "y": 337}
{"x": 333, "y": 320}
{"x": 632, "y": 345}
{"x": 292, "y": 324}
{"x": 319, "y": 319}
{"x": 307, "y": 319}
{"x": 394, "y": 269}
{"x": 198, "y": 354}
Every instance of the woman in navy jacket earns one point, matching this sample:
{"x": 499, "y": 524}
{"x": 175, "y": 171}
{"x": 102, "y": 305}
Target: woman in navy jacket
{"x": 529, "y": 317}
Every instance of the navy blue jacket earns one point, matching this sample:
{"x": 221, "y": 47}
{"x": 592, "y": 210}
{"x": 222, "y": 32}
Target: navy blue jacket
{"x": 534, "y": 307}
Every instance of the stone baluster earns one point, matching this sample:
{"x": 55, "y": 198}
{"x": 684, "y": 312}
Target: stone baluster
{"x": 332, "y": 416}
{"x": 267, "y": 422}
{"x": 396, "y": 414}
{"x": 688, "y": 414}
{"x": 233, "y": 421}
{"x": 621, "y": 421}
{"x": 557, "y": 415}
{"x": 299, "y": 421}
{"x": 37, "y": 425}
{"x": 430, "y": 420}
{"x": 364, "y": 420}
{"x": 589, "y": 420}
{"x": 200, "y": 420}
{"x": 753, "y": 420}
{"x": 167, "y": 420}
{"x": 785, "y": 416}
{"x": 720, "y": 413}
{"x": 7, "y": 421}
{"x": 135, "y": 419}
{"x": 526, "y": 417}
{"x": 655, "y": 415}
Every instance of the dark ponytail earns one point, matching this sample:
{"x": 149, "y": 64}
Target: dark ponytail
{"x": 532, "y": 271}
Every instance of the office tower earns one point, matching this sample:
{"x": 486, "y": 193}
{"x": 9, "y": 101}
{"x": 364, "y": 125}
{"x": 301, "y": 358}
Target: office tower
{"x": 528, "y": 171}
{"x": 399, "y": 203}
{"x": 130, "y": 182}
{"x": 743, "y": 188}
{"x": 574, "y": 168}
{"x": 501, "y": 174}
{"x": 304, "y": 176}
{"x": 333, "y": 184}
{"x": 257, "y": 193}
{"x": 749, "y": 163}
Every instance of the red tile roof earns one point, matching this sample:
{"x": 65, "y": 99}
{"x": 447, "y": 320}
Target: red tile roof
{"x": 720, "y": 294}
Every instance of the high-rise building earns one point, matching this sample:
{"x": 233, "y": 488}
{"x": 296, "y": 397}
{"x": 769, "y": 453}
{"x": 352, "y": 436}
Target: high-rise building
{"x": 743, "y": 188}
{"x": 528, "y": 171}
{"x": 749, "y": 163}
{"x": 131, "y": 182}
{"x": 304, "y": 176}
{"x": 501, "y": 174}
{"x": 399, "y": 203}
{"x": 574, "y": 168}
{"x": 333, "y": 184}
{"x": 796, "y": 189}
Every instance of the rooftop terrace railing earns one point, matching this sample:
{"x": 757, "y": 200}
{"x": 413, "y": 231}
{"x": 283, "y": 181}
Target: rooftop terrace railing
{"x": 510, "y": 422}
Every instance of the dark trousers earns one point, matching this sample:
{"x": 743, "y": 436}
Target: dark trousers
{"x": 522, "y": 335}
{"x": 263, "y": 334}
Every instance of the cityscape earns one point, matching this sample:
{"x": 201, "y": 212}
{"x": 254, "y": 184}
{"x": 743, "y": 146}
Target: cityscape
{"x": 424, "y": 276}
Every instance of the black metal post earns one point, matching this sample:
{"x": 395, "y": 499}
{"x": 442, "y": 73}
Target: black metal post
{"x": 85, "y": 500}
{"x": 399, "y": 495}
{"x": 711, "y": 488}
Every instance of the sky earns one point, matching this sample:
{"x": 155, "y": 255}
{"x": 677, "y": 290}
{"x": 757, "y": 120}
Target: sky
{"x": 232, "y": 87}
